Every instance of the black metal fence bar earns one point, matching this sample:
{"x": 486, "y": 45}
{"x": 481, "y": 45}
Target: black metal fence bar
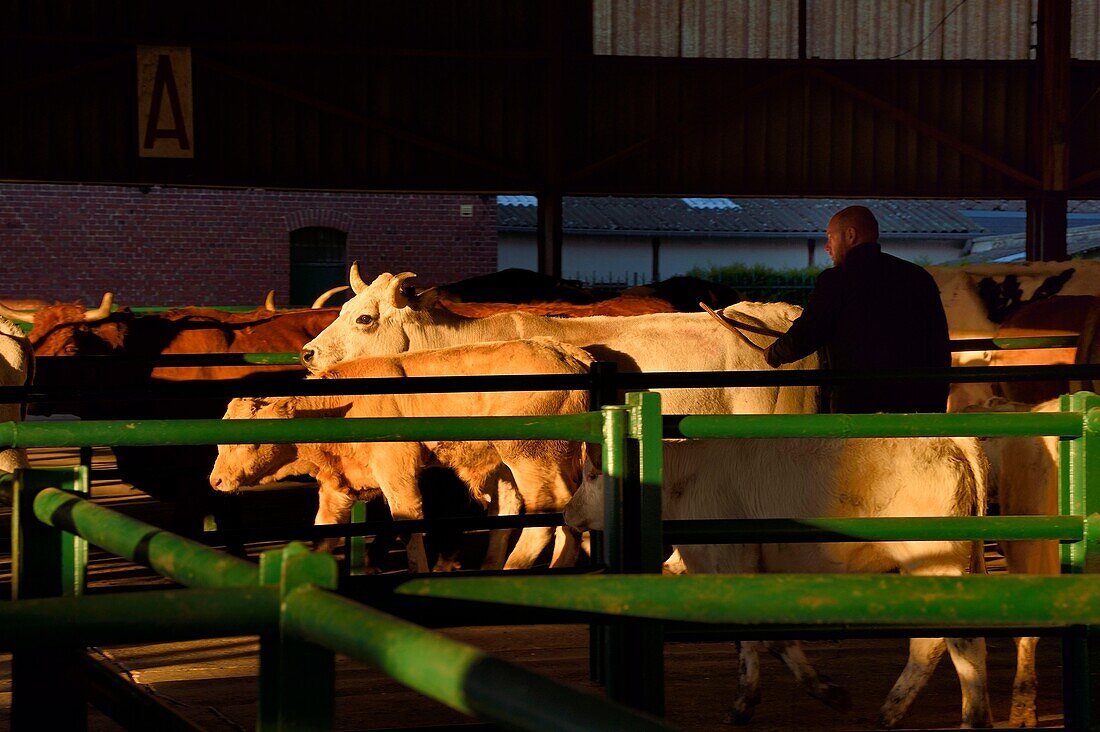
{"x": 230, "y": 388}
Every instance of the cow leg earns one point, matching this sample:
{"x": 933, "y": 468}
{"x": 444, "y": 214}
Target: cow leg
{"x": 968, "y": 655}
{"x": 507, "y": 503}
{"x": 543, "y": 489}
{"x": 746, "y": 693}
{"x": 566, "y": 547}
{"x": 924, "y": 654}
{"x": 1025, "y": 685}
{"x": 333, "y": 507}
{"x": 816, "y": 684}
{"x": 397, "y": 466}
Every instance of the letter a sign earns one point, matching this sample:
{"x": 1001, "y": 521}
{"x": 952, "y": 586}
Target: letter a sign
{"x": 165, "y": 126}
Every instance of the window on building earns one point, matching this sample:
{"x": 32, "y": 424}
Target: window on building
{"x": 318, "y": 262}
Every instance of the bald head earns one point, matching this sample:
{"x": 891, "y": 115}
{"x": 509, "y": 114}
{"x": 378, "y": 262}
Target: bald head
{"x": 849, "y": 228}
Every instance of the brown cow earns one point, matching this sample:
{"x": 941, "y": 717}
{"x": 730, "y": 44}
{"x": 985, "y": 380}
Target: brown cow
{"x": 175, "y": 473}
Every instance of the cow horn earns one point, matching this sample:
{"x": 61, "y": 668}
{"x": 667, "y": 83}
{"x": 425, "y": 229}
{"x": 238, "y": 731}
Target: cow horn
{"x": 103, "y": 310}
{"x": 324, "y": 296}
{"x": 27, "y": 316}
{"x": 269, "y": 301}
{"x": 397, "y": 297}
{"x": 357, "y": 284}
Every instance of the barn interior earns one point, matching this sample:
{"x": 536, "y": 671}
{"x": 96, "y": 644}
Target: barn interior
{"x": 442, "y": 118}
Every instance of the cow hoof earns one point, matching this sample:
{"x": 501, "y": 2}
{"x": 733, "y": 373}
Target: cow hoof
{"x": 887, "y": 721}
{"x": 739, "y": 715}
{"x": 834, "y": 696}
{"x": 1023, "y": 718}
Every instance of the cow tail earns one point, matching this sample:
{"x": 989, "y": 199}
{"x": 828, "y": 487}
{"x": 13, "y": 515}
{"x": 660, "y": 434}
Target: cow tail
{"x": 973, "y": 492}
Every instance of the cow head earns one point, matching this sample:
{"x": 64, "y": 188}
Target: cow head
{"x": 65, "y": 330}
{"x": 243, "y": 465}
{"x": 585, "y": 510}
{"x": 374, "y": 322}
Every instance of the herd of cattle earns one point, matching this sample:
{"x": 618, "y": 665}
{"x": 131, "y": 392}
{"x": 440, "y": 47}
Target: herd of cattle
{"x": 389, "y": 328}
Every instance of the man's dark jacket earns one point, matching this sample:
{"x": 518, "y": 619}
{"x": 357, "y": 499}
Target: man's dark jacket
{"x": 873, "y": 311}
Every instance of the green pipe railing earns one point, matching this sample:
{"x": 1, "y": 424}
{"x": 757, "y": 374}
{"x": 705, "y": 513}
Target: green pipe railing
{"x": 154, "y": 616}
{"x": 458, "y": 675}
{"x": 183, "y": 560}
{"x": 577, "y": 427}
{"x": 786, "y": 599}
{"x": 636, "y": 474}
{"x": 983, "y": 424}
{"x": 296, "y": 683}
{"x": 947, "y": 528}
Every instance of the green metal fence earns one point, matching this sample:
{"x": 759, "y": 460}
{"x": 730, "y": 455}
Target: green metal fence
{"x": 296, "y": 665}
{"x": 634, "y": 533}
{"x": 287, "y": 600}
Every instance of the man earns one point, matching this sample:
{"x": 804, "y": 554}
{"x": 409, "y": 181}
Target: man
{"x": 871, "y": 311}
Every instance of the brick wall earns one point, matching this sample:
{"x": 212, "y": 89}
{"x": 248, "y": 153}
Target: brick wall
{"x": 184, "y": 246}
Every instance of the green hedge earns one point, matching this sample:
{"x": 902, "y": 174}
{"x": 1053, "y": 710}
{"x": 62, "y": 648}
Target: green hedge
{"x": 764, "y": 284}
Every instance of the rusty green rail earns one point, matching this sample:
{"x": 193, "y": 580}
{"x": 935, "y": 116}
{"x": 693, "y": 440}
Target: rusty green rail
{"x": 786, "y": 599}
{"x": 578, "y": 427}
{"x": 286, "y": 599}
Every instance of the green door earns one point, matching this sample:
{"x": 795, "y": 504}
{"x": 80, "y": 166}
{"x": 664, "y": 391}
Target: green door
{"x": 318, "y": 262}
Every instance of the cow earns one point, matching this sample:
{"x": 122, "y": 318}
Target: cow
{"x": 544, "y": 472}
{"x": 981, "y": 298}
{"x": 384, "y": 317}
{"x": 1060, "y": 315}
{"x": 1024, "y": 482}
{"x": 808, "y": 478}
{"x": 624, "y": 305}
{"x": 173, "y": 473}
{"x": 16, "y": 369}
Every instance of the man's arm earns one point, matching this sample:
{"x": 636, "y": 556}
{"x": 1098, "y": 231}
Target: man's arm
{"x": 815, "y": 327}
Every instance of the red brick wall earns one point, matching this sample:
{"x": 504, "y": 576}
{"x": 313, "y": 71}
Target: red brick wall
{"x": 184, "y": 246}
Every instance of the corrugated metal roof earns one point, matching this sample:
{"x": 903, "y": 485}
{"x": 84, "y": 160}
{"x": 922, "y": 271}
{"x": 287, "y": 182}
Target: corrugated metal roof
{"x": 1010, "y": 248}
{"x": 1085, "y": 207}
{"x": 836, "y": 29}
{"x": 752, "y": 217}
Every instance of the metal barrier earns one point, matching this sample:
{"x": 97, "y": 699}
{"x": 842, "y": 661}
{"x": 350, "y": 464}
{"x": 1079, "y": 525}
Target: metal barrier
{"x": 287, "y": 600}
{"x": 634, "y": 529}
{"x": 634, "y": 532}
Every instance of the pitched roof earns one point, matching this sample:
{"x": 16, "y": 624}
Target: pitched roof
{"x": 1010, "y": 248}
{"x": 735, "y": 217}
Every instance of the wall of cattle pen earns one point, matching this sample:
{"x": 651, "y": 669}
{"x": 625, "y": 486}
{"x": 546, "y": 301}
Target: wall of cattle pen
{"x": 633, "y": 545}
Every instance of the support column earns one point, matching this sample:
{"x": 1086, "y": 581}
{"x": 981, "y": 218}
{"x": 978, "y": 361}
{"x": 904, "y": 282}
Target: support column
{"x": 1046, "y": 228}
{"x": 548, "y": 233}
{"x": 655, "y": 249}
{"x": 1046, "y": 214}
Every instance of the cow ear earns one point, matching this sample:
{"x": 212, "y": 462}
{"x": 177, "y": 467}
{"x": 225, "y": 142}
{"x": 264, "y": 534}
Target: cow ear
{"x": 282, "y": 410}
{"x": 427, "y": 299}
{"x": 397, "y": 296}
{"x": 593, "y": 451}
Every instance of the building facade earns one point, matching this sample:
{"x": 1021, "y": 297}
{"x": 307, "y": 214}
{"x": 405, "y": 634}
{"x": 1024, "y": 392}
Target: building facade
{"x": 192, "y": 246}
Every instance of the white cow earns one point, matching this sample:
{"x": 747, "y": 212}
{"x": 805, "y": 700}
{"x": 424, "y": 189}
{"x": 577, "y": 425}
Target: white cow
{"x": 1024, "y": 479}
{"x": 545, "y": 472}
{"x": 385, "y": 318}
{"x": 16, "y": 367}
{"x": 805, "y": 478}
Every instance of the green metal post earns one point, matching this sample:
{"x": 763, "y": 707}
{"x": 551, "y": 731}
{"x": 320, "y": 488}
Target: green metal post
{"x": 356, "y": 545}
{"x": 46, "y": 562}
{"x": 1081, "y": 646}
{"x": 639, "y": 682}
{"x": 611, "y": 644}
{"x": 297, "y": 678}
